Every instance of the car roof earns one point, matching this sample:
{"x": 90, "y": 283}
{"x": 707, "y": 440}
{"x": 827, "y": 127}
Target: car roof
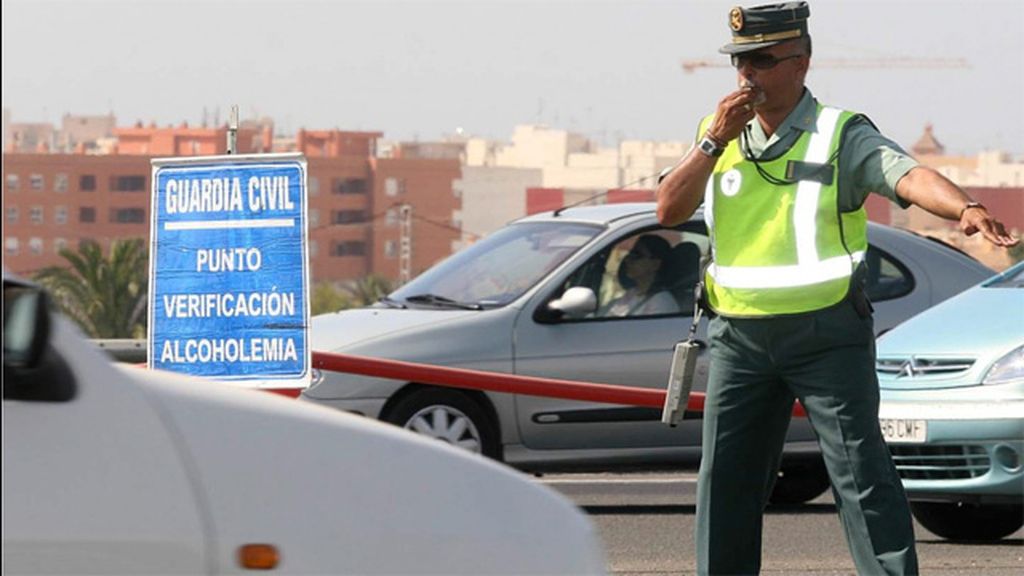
{"x": 607, "y": 214}
{"x": 603, "y": 214}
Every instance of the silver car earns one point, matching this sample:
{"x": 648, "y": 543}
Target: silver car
{"x": 556, "y": 295}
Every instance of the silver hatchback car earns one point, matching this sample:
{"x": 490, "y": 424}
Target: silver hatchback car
{"x": 594, "y": 294}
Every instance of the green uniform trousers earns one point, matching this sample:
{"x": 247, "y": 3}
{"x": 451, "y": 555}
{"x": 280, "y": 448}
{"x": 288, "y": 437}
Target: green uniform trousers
{"x": 758, "y": 366}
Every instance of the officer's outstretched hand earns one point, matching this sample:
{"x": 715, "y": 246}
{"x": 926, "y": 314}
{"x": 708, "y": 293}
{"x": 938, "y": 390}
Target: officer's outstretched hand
{"x": 977, "y": 219}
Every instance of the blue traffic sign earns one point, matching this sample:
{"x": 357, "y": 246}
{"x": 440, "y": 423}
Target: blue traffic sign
{"x": 229, "y": 276}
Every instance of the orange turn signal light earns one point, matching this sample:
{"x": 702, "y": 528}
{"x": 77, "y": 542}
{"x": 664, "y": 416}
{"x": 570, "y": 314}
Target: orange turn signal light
{"x": 258, "y": 556}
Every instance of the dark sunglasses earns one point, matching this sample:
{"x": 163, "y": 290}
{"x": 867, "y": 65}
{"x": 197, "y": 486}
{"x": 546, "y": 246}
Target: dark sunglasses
{"x": 760, "y": 61}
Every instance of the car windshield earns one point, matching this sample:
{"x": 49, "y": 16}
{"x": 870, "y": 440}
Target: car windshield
{"x": 1012, "y": 278}
{"x": 499, "y": 268}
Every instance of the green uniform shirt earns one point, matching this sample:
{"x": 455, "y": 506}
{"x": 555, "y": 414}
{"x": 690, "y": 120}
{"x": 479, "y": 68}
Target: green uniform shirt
{"x": 868, "y": 161}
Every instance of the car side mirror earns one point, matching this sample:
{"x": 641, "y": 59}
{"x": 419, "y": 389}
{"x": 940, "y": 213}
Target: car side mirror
{"x": 576, "y": 302}
{"x": 26, "y": 326}
{"x": 33, "y": 370}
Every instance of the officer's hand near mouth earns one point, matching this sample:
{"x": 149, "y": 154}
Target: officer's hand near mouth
{"x": 733, "y": 113}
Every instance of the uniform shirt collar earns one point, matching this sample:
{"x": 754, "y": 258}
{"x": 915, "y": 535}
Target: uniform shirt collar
{"x": 802, "y": 118}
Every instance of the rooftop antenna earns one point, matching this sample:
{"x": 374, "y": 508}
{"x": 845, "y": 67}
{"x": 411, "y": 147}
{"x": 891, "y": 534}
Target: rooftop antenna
{"x": 592, "y": 197}
{"x": 558, "y": 212}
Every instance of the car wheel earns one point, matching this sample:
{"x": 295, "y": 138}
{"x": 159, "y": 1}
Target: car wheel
{"x": 799, "y": 483}
{"x": 450, "y": 416}
{"x": 962, "y": 521}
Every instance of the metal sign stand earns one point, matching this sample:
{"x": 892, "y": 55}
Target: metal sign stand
{"x": 233, "y": 130}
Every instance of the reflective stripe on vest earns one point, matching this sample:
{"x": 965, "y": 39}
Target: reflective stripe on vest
{"x": 803, "y": 274}
{"x": 795, "y": 211}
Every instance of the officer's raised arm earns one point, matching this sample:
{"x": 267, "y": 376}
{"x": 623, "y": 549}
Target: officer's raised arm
{"x": 681, "y": 191}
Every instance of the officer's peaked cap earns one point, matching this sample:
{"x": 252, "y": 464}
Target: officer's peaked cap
{"x": 763, "y": 26}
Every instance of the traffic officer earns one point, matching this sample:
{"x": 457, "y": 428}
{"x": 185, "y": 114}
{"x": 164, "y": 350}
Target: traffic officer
{"x": 783, "y": 179}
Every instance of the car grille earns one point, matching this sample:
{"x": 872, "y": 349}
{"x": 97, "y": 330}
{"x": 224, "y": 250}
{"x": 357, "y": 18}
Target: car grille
{"x": 940, "y": 462}
{"x": 918, "y": 366}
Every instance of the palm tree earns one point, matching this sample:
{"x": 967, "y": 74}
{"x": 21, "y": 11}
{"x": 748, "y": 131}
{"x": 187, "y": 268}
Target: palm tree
{"x": 368, "y": 289}
{"x": 105, "y": 296}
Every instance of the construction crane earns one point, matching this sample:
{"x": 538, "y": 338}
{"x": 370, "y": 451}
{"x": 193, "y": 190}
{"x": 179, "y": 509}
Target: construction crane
{"x": 690, "y": 66}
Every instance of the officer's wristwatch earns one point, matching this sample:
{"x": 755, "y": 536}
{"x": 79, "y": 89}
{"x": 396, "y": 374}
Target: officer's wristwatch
{"x": 969, "y": 205}
{"x": 709, "y": 147}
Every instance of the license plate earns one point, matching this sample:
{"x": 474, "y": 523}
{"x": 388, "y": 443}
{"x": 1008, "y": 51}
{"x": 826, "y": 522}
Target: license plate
{"x": 901, "y": 431}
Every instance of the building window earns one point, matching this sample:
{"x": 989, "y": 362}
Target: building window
{"x": 349, "y": 186}
{"x": 127, "y": 215}
{"x": 12, "y": 214}
{"x": 87, "y": 183}
{"x": 127, "y": 183}
{"x": 390, "y": 249}
{"x": 60, "y": 183}
{"x": 11, "y": 246}
{"x": 314, "y": 217}
{"x": 12, "y": 182}
{"x": 83, "y": 242}
{"x": 314, "y": 186}
{"x": 313, "y": 248}
{"x": 351, "y": 248}
{"x": 86, "y": 214}
{"x": 35, "y": 181}
{"x": 35, "y": 246}
{"x": 60, "y": 215}
{"x": 59, "y": 244}
{"x": 35, "y": 214}
{"x": 394, "y": 186}
{"x": 348, "y": 216}
{"x": 391, "y": 217}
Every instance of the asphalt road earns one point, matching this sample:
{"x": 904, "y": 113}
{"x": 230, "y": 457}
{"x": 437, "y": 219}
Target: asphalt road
{"x": 646, "y": 524}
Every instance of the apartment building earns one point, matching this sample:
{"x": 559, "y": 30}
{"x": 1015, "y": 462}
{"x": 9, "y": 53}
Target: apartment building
{"x": 57, "y": 200}
{"x": 76, "y": 132}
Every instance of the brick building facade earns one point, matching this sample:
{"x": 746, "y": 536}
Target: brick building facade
{"x": 52, "y": 201}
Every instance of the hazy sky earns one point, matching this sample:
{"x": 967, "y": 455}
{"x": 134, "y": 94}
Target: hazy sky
{"x": 421, "y": 69}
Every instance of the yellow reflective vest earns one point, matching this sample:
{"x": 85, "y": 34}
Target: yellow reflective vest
{"x": 782, "y": 248}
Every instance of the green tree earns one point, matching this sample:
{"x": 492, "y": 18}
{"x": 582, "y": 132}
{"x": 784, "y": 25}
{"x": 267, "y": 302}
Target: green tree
{"x": 106, "y": 296}
{"x": 328, "y": 298}
{"x": 368, "y": 289}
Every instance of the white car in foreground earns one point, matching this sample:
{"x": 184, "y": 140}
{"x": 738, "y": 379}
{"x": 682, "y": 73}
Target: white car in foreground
{"x": 119, "y": 470}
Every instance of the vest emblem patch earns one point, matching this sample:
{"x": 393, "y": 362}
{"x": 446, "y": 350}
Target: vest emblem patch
{"x": 731, "y": 182}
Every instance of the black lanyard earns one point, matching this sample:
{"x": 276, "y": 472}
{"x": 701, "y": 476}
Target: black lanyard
{"x": 748, "y": 155}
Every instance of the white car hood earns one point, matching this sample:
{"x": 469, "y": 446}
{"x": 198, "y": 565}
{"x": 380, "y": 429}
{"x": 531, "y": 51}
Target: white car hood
{"x": 370, "y": 498}
{"x": 339, "y": 331}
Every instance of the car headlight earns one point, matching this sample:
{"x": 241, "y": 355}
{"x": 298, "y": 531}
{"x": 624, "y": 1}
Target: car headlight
{"x": 1009, "y": 368}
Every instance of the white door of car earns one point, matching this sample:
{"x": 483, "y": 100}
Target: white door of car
{"x": 95, "y": 484}
{"x": 628, "y": 340}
